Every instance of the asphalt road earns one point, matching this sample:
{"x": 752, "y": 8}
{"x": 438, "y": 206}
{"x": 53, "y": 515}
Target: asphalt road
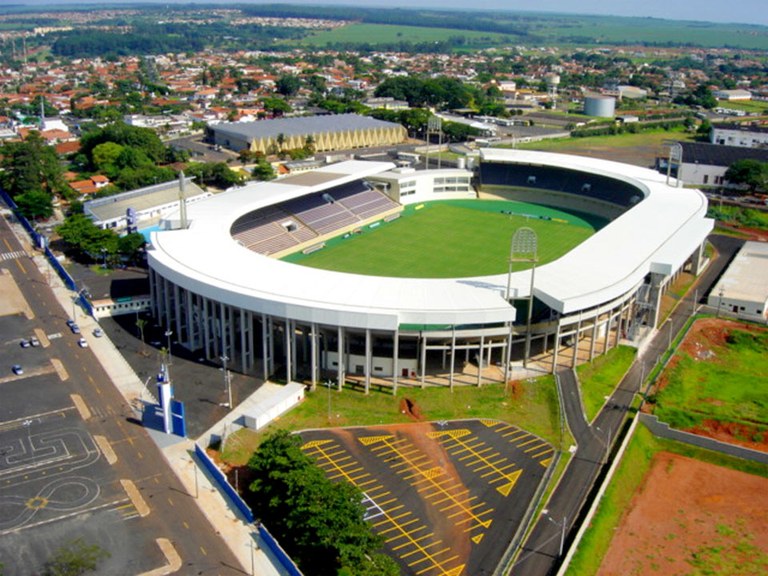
{"x": 542, "y": 552}
{"x": 116, "y": 527}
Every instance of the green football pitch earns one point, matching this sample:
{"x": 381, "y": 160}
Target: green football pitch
{"x": 451, "y": 239}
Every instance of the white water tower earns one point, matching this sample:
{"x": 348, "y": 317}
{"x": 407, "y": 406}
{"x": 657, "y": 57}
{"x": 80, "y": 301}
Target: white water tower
{"x": 553, "y": 83}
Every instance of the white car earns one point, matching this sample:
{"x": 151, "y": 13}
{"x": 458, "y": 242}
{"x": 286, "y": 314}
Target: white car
{"x": 17, "y": 369}
{"x": 98, "y": 332}
{"x": 83, "y": 343}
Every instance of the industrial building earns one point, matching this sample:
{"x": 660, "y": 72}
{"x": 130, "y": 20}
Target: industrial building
{"x": 326, "y": 133}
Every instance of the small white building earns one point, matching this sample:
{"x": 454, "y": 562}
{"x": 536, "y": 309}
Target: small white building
{"x": 732, "y": 94}
{"x": 147, "y": 204}
{"x": 746, "y": 135}
{"x": 706, "y": 164}
{"x": 409, "y": 186}
{"x": 743, "y": 288}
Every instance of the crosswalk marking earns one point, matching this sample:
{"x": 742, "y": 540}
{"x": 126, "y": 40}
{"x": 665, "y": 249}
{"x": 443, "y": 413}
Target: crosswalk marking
{"x": 12, "y": 255}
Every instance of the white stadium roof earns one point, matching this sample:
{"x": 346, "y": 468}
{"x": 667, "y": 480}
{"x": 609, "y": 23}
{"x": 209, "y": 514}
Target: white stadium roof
{"x": 656, "y": 235}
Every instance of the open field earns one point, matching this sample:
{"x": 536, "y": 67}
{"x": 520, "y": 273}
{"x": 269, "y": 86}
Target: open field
{"x": 447, "y": 239}
{"x": 677, "y": 509}
{"x": 616, "y": 30}
{"x": 374, "y": 34}
{"x": 640, "y": 149}
{"x": 704, "y": 389}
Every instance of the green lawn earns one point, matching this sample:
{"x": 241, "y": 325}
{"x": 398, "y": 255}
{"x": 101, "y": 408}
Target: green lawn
{"x": 391, "y": 34}
{"x": 450, "y": 239}
{"x": 531, "y": 405}
{"x": 599, "y": 378}
{"x": 654, "y": 138}
{"x": 726, "y": 384}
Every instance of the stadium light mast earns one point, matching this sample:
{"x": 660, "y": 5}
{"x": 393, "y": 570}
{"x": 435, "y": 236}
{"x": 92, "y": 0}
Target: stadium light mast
{"x": 522, "y": 248}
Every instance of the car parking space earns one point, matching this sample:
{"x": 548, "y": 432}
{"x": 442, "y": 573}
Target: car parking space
{"x": 446, "y": 496}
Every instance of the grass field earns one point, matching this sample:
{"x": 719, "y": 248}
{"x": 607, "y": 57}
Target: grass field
{"x": 721, "y": 381}
{"x": 599, "y": 378}
{"x": 389, "y": 34}
{"x": 450, "y": 239}
{"x": 531, "y": 404}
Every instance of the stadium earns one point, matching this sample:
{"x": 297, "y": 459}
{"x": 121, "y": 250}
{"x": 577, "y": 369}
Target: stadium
{"x": 220, "y": 283}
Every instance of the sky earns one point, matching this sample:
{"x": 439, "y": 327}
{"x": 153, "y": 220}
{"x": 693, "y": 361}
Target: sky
{"x": 740, "y": 11}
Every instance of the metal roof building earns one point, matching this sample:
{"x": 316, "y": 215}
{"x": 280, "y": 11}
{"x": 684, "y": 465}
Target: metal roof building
{"x": 223, "y": 299}
{"x": 328, "y": 133}
{"x": 743, "y": 289}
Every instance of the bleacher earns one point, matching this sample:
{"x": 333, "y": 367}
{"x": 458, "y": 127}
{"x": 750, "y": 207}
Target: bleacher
{"x": 278, "y": 228}
{"x": 559, "y": 180}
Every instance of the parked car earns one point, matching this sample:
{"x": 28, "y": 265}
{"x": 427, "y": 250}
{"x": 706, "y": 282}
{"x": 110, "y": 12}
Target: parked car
{"x": 34, "y": 341}
{"x": 83, "y": 343}
{"x": 17, "y": 369}
{"x": 70, "y": 322}
{"x": 75, "y": 328}
{"x": 98, "y": 332}
{"x": 24, "y": 343}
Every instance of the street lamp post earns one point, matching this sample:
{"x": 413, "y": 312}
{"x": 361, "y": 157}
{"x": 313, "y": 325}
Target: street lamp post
{"x": 168, "y": 334}
{"x": 227, "y": 385}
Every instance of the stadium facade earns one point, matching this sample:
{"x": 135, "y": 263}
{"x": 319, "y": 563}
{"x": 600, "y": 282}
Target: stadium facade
{"x": 217, "y": 285}
{"x": 326, "y": 133}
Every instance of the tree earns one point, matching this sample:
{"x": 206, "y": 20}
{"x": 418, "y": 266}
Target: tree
{"x": 319, "y": 522}
{"x": 276, "y": 106}
{"x": 751, "y": 173}
{"x": 35, "y": 204}
{"x": 288, "y": 85}
{"x": 31, "y": 165}
{"x": 88, "y": 239}
{"x": 75, "y": 558}
{"x": 105, "y": 157}
{"x": 263, "y": 170}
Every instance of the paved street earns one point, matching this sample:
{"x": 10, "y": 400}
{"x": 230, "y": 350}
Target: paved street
{"x": 541, "y": 553}
{"x": 77, "y": 463}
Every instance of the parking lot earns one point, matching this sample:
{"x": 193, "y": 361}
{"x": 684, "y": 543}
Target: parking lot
{"x": 448, "y": 497}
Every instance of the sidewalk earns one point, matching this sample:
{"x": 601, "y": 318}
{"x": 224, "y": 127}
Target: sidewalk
{"x": 241, "y": 537}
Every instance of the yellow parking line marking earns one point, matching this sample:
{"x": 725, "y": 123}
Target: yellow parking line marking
{"x": 492, "y": 462}
{"x": 426, "y": 474}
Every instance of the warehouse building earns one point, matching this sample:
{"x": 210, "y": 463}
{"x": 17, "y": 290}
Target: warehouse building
{"x": 326, "y": 133}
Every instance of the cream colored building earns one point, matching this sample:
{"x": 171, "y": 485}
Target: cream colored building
{"x": 327, "y": 133}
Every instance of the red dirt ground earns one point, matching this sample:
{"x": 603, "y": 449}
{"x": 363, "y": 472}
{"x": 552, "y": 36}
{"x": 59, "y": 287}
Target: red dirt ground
{"x": 689, "y": 519}
{"x": 705, "y": 337}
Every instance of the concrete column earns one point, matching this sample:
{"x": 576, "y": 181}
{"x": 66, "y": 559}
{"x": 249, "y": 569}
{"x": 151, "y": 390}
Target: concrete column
{"x": 423, "y": 342}
{"x": 453, "y": 356}
{"x": 177, "y": 315}
{"x": 206, "y": 329}
{"x": 230, "y": 323}
{"x": 395, "y": 361}
{"x": 271, "y": 334}
{"x": 313, "y": 355}
{"x": 480, "y": 362}
{"x": 368, "y": 360}
{"x": 189, "y": 336}
{"x": 576, "y": 341}
{"x": 265, "y": 338}
{"x": 243, "y": 343}
{"x": 153, "y": 293}
{"x": 594, "y": 338}
{"x": 341, "y": 359}
{"x": 288, "y": 350}
{"x": 556, "y": 347}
